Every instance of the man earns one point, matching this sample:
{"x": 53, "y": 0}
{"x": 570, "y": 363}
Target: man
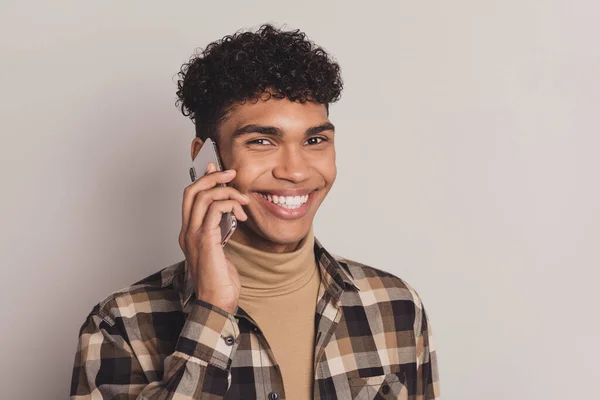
{"x": 271, "y": 315}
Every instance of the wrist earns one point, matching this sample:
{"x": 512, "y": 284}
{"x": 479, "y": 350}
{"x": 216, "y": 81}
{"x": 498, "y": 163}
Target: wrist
{"x": 228, "y": 306}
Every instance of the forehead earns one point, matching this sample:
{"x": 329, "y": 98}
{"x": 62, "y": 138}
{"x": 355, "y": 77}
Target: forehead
{"x": 285, "y": 114}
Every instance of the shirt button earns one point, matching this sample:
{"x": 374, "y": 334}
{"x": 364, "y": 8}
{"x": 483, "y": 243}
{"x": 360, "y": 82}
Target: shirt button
{"x": 385, "y": 389}
{"x": 229, "y": 340}
{"x": 273, "y": 396}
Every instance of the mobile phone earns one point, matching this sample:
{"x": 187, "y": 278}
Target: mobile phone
{"x": 208, "y": 153}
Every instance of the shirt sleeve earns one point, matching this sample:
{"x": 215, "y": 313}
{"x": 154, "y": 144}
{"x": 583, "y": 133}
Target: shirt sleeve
{"x": 107, "y": 367}
{"x": 428, "y": 386}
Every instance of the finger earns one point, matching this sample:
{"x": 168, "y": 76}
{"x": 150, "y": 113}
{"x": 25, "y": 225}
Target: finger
{"x": 213, "y": 179}
{"x": 217, "y": 209}
{"x": 204, "y": 183}
{"x": 209, "y": 232}
{"x": 204, "y": 199}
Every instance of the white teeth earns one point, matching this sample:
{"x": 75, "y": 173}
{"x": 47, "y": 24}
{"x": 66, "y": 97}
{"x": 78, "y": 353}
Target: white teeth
{"x": 289, "y": 202}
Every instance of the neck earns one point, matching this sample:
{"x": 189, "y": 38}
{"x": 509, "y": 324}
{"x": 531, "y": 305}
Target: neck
{"x": 268, "y": 274}
{"x": 249, "y": 238}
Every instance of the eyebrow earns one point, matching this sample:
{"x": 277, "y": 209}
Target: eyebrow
{"x": 272, "y": 130}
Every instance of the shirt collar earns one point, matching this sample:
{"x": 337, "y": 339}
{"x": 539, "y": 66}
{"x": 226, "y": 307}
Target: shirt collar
{"x": 335, "y": 275}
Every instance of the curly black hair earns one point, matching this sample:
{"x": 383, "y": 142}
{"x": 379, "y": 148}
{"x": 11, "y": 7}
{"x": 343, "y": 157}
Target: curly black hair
{"x": 246, "y": 65}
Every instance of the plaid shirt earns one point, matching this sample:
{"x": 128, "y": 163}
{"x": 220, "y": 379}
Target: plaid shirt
{"x": 155, "y": 340}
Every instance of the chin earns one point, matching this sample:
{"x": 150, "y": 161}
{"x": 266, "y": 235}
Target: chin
{"x": 287, "y": 238}
{"x": 284, "y": 233}
{"x": 287, "y": 235}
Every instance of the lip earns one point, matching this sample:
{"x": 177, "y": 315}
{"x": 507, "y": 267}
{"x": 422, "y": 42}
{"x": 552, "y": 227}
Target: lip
{"x": 285, "y": 213}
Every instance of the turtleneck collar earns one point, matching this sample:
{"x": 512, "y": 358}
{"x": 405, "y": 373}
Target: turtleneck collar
{"x": 269, "y": 274}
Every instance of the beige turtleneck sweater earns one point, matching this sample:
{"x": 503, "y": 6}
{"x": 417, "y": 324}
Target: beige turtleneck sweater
{"x": 279, "y": 291}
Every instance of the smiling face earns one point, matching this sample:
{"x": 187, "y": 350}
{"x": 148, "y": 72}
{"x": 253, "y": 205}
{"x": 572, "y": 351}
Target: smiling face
{"x": 284, "y": 155}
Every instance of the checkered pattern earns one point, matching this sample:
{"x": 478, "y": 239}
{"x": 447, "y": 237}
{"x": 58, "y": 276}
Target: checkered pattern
{"x": 155, "y": 340}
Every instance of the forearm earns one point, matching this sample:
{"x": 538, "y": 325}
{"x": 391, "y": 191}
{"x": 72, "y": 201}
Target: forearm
{"x": 106, "y": 364}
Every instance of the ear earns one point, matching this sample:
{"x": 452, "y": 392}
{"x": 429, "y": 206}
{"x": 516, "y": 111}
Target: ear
{"x": 196, "y": 146}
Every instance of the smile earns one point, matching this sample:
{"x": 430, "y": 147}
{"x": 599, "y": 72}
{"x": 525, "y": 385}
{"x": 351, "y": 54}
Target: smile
{"x": 289, "y": 202}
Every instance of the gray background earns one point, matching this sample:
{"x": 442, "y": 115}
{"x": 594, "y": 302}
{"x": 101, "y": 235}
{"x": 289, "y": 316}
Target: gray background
{"x": 468, "y": 136}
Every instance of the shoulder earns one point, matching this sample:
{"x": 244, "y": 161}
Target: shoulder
{"x": 158, "y": 292}
{"x": 377, "y": 286}
{"x": 369, "y": 278}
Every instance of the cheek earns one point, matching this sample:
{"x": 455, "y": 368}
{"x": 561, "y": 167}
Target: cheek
{"x": 333, "y": 172}
{"x": 328, "y": 169}
{"x": 246, "y": 174}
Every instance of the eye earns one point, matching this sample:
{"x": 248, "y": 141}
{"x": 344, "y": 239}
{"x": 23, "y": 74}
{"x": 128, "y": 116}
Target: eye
{"x": 260, "y": 142}
{"x": 316, "y": 140}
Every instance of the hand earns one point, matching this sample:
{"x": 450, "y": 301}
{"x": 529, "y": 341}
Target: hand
{"x": 216, "y": 279}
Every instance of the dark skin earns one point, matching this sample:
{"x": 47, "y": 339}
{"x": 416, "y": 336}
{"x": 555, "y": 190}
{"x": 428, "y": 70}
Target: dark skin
{"x": 273, "y": 147}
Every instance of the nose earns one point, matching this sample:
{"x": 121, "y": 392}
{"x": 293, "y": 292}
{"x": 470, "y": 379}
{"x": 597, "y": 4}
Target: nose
{"x": 292, "y": 166}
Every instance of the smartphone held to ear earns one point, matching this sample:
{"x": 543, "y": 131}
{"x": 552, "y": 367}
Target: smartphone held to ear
{"x": 207, "y": 154}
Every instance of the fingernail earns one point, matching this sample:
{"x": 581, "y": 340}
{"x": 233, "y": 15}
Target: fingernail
{"x": 229, "y": 171}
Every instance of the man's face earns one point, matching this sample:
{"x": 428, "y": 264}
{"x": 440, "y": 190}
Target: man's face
{"x": 284, "y": 155}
